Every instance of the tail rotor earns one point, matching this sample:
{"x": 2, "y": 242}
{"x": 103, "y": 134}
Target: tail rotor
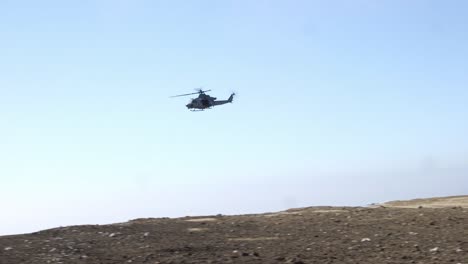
{"x": 231, "y": 98}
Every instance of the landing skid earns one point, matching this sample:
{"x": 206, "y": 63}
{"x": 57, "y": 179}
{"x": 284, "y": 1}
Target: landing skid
{"x": 199, "y": 110}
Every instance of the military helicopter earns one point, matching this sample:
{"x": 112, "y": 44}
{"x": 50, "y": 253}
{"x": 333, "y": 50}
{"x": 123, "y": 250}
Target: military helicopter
{"x": 204, "y": 101}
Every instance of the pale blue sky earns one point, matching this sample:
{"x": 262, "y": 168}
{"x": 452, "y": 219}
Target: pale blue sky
{"x": 340, "y": 103}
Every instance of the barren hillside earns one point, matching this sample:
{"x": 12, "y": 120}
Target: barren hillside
{"x": 394, "y": 232}
{"x": 436, "y": 202}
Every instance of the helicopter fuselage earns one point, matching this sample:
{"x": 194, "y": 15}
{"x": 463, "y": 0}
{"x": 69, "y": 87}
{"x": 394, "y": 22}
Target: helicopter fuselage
{"x": 202, "y": 102}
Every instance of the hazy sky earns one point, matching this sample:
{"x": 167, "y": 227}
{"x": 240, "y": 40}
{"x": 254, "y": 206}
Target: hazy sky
{"x": 340, "y": 103}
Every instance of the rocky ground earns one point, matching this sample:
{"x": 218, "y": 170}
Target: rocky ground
{"x": 397, "y": 232}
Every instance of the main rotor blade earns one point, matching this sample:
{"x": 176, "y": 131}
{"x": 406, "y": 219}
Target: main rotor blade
{"x": 184, "y": 94}
{"x": 200, "y": 91}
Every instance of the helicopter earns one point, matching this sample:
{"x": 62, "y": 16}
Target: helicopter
{"x": 204, "y": 101}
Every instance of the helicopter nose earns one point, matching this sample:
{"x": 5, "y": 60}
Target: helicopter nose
{"x": 189, "y": 105}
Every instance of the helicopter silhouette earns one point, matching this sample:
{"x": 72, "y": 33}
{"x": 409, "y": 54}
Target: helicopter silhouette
{"x": 204, "y": 101}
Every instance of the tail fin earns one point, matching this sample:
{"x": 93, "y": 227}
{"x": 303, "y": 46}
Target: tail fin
{"x": 231, "y": 97}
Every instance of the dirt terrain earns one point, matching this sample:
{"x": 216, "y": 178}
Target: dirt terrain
{"x": 418, "y": 231}
{"x": 437, "y": 202}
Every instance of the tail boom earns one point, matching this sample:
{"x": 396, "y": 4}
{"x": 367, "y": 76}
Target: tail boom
{"x": 221, "y": 102}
